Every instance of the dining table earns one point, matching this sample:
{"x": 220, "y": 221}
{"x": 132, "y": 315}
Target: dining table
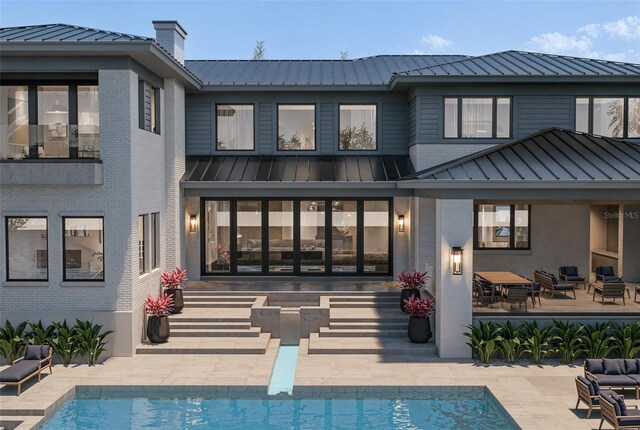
{"x": 498, "y": 280}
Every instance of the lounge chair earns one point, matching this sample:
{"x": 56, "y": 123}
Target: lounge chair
{"x": 36, "y": 358}
{"x": 588, "y": 392}
{"x": 570, "y": 274}
{"x": 549, "y": 282}
{"x": 606, "y": 274}
{"x": 614, "y": 411}
{"x": 614, "y": 373}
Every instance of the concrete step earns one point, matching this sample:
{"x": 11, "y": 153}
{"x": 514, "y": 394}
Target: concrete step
{"x": 208, "y": 345}
{"x": 332, "y": 332}
{"x": 216, "y": 304}
{"x": 370, "y": 319}
{"x": 369, "y": 345}
{"x": 209, "y": 319}
{"x": 368, "y": 325}
{"x": 181, "y": 332}
{"x": 363, "y": 298}
{"x": 368, "y": 304}
{"x": 176, "y": 324}
{"x": 191, "y": 296}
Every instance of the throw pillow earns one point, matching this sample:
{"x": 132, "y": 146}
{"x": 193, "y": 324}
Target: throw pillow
{"x": 620, "y": 401}
{"x": 33, "y": 352}
{"x": 612, "y": 366}
{"x": 594, "y": 384}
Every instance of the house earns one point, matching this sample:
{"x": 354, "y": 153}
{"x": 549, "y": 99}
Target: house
{"x": 121, "y": 158}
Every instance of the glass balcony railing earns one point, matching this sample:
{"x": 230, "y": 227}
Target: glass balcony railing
{"x": 52, "y": 141}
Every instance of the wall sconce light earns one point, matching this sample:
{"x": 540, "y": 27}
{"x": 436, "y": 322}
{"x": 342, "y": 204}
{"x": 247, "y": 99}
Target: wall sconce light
{"x": 456, "y": 260}
{"x": 401, "y": 223}
{"x": 193, "y": 223}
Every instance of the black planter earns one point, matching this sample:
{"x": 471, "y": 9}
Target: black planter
{"x": 158, "y": 329}
{"x": 419, "y": 330}
{"x": 405, "y": 294}
{"x": 178, "y": 301}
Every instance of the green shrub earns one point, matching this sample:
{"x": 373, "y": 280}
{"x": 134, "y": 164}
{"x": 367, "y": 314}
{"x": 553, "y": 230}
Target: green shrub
{"x": 12, "y": 340}
{"x": 597, "y": 341}
{"x": 567, "y": 340}
{"x": 537, "y": 341}
{"x": 39, "y": 334}
{"x": 510, "y": 344}
{"x": 626, "y": 340}
{"x": 90, "y": 340}
{"x": 483, "y": 339}
{"x": 64, "y": 342}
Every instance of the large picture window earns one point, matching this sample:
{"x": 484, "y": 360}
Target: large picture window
{"x": 357, "y": 128}
{"x": 14, "y": 121}
{"x": 296, "y": 127}
{"x": 83, "y": 244}
{"x": 234, "y": 127}
{"x": 477, "y": 117}
{"x": 280, "y": 234}
{"x": 502, "y": 226}
{"x": 27, "y": 250}
{"x": 217, "y": 236}
{"x": 249, "y": 236}
{"x": 609, "y": 116}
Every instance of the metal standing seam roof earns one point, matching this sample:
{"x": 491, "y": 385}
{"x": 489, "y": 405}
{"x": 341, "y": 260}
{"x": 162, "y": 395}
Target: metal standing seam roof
{"x": 521, "y": 63}
{"x": 549, "y": 155}
{"x": 375, "y": 70}
{"x": 64, "y": 33}
{"x": 293, "y": 168}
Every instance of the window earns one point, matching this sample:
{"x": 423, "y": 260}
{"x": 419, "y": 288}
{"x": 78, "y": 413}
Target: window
{"x": 376, "y": 236}
{"x": 88, "y": 121}
{"x": 344, "y": 234}
{"x": 148, "y": 107}
{"x": 154, "y": 245}
{"x": 53, "y": 122}
{"x": 217, "y": 236}
{"x": 357, "y": 128}
{"x": 296, "y": 127}
{"x": 609, "y": 116}
{"x": 281, "y": 236}
{"x": 502, "y": 226}
{"x": 312, "y": 236}
{"x": 234, "y": 127}
{"x": 249, "y": 236}
{"x": 477, "y": 117}
{"x": 142, "y": 243}
{"x": 14, "y": 121}
{"x": 27, "y": 250}
{"x": 83, "y": 244}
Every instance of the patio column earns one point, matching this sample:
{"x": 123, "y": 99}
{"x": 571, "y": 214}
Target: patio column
{"x": 454, "y": 227}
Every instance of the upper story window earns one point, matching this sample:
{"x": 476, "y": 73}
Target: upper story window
{"x": 148, "y": 107}
{"x": 501, "y": 226}
{"x": 296, "y": 127}
{"x": 234, "y": 127}
{"x": 357, "y": 128}
{"x": 609, "y": 116}
{"x": 477, "y": 117}
{"x": 49, "y": 121}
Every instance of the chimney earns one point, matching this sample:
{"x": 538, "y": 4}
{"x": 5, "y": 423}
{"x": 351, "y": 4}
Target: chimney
{"x": 170, "y": 35}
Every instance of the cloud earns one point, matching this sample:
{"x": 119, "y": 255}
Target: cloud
{"x": 591, "y": 30}
{"x": 626, "y": 28}
{"x": 417, "y": 52}
{"x": 556, "y": 43}
{"x": 436, "y": 43}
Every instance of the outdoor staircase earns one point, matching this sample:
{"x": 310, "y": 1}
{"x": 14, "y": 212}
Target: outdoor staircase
{"x": 366, "y": 324}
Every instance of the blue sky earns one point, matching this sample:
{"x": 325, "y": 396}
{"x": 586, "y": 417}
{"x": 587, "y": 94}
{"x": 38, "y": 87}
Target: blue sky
{"x": 314, "y": 29}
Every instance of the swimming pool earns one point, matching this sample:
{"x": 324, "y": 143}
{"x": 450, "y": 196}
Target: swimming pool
{"x": 444, "y": 409}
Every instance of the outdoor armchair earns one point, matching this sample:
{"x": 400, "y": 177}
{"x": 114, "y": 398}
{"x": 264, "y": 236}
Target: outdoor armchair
{"x": 606, "y": 274}
{"x": 516, "y": 294}
{"x": 614, "y": 411}
{"x": 570, "y": 274}
{"x": 36, "y": 358}
{"x": 588, "y": 393}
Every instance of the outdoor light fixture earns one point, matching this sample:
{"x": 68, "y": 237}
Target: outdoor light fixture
{"x": 193, "y": 223}
{"x": 401, "y": 223}
{"x": 456, "y": 260}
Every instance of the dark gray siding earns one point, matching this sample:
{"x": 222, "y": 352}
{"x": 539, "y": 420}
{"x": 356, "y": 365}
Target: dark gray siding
{"x": 266, "y": 131}
{"x": 327, "y": 128}
{"x": 412, "y": 120}
{"x": 533, "y": 113}
{"x": 430, "y": 118}
{"x": 394, "y": 127}
{"x": 198, "y": 114}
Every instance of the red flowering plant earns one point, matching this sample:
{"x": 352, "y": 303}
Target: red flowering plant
{"x": 419, "y": 307}
{"x": 412, "y": 280}
{"x": 173, "y": 280}
{"x": 160, "y": 306}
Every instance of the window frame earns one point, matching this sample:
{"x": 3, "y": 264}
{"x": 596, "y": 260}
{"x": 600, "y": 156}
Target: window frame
{"x": 143, "y": 251}
{"x": 215, "y": 117}
{"x": 512, "y": 221}
{"x": 625, "y": 114}
{"x": 7, "y": 254}
{"x": 156, "y": 119}
{"x": 494, "y": 117}
{"x": 154, "y": 242}
{"x": 64, "y": 249}
{"x": 377, "y": 127}
{"x": 315, "y": 127}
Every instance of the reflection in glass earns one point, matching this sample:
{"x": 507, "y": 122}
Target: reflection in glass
{"x": 84, "y": 249}
{"x": 234, "y": 125}
{"x": 376, "y": 236}
{"x": 249, "y": 236}
{"x": 357, "y": 127}
{"x": 53, "y": 122}
{"x": 281, "y": 236}
{"x": 503, "y": 120}
{"x": 14, "y": 122}
{"x": 27, "y": 248}
{"x": 582, "y": 114}
{"x": 450, "y": 117}
{"x": 521, "y": 238}
{"x": 141, "y": 243}
{"x": 494, "y": 224}
{"x": 312, "y": 236}
{"x": 88, "y": 122}
{"x": 476, "y": 117}
{"x": 634, "y": 117}
{"x": 344, "y": 235}
{"x": 296, "y": 127}
{"x": 608, "y": 117}
{"x": 217, "y": 236}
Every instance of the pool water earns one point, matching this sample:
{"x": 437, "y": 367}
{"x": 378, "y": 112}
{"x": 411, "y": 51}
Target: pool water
{"x": 474, "y": 412}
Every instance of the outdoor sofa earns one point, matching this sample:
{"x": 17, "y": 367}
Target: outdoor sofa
{"x": 549, "y": 282}
{"x": 615, "y": 373}
{"x": 614, "y": 411}
{"x": 36, "y": 358}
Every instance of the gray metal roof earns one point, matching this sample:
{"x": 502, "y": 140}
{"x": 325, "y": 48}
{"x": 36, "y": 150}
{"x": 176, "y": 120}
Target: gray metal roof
{"x": 63, "y": 33}
{"x": 520, "y": 63}
{"x": 549, "y": 155}
{"x": 360, "y": 71}
{"x": 293, "y": 168}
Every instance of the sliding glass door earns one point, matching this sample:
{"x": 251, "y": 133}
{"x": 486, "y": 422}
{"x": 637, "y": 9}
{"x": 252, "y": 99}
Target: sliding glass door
{"x": 217, "y": 236}
{"x": 344, "y": 236}
{"x": 281, "y": 236}
{"x": 249, "y": 236}
{"x": 313, "y": 243}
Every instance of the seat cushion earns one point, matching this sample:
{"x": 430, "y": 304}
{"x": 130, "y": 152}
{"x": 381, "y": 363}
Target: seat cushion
{"x": 570, "y": 270}
{"x": 594, "y": 366}
{"x": 594, "y": 385}
{"x": 611, "y": 278}
{"x": 631, "y": 366}
{"x": 629, "y": 421}
{"x": 616, "y": 381}
{"x": 563, "y": 287}
{"x": 635, "y": 378}
{"x": 620, "y": 401}
{"x": 19, "y": 371}
{"x": 616, "y": 406}
{"x": 613, "y": 366}
{"x": 574, "y": 278}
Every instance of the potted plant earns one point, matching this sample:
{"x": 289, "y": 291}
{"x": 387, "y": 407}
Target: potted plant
{"x": 158, "y": 320}
{"x": 419, "y": 310}
{"x": 410, "y": 283}
{"x": 172, "y": 283}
